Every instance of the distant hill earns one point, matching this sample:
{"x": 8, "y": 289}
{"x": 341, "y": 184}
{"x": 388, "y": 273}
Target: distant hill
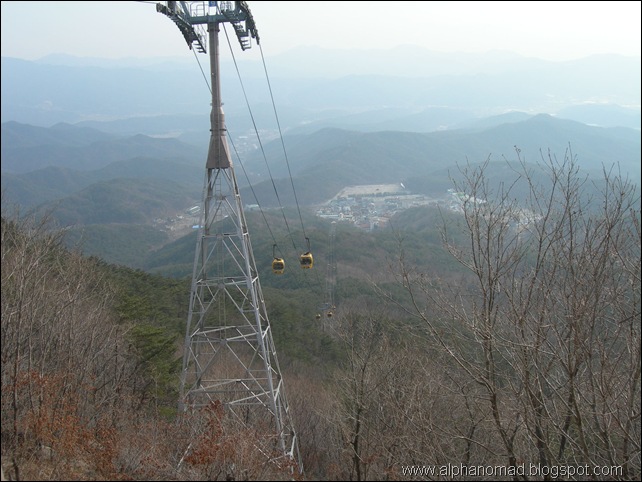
{"x": 602, "y": 114}
{"x": 360, "y": 255}
{"x": 124, "y": 244}
{"x": 53, "y": 182}
{"x": 27, "y": 148}
{"x": 329, "y": 159}
{"x": 133, "y": 201}
{"x": 45, "y": 94}
{"x": 494, "y": 121}
{"x": 17, "y": 135}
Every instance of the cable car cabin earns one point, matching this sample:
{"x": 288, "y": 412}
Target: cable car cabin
{"x": 329, "y": 314}
{"x": 318, "y": 316}
{"x": 306, "y": 260}
{"x": 278, "y": 265}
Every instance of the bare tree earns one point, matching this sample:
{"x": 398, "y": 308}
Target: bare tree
{"x": 546, "y": 323}
{"x": 386, "y": 408}
{"x": 69, "y": 377}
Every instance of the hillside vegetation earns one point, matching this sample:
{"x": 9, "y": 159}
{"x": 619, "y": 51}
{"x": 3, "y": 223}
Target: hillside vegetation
{"x": 507, "y": 335}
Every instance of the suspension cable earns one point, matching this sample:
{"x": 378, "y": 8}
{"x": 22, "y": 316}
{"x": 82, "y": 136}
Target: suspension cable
{"x": 287, "y": 162}
{"x": 202, "y": 71}
{"x": 259, "y": 139}
{"x": 289, "y": 231}
{"x": 255, "y": 197}
{"x": 238, "y": 157}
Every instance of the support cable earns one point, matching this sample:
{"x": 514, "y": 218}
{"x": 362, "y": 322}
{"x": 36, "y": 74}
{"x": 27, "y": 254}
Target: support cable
{"x": 238, "y": 157}
{"x": 259, "y": 140}
{"x": 287, "y": 162}
{"x": 202, "y": 72}
{"x": 255, "y": 197}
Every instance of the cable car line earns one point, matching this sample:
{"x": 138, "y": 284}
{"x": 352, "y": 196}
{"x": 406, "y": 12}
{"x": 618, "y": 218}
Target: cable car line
{"x": 306, "y": 259}
{"x": 247, "y": 103}
{"x": 253, "y": 193}
{"x": 285, "y": 154}
{"x": 202, "y": 71}
{"x": 328, "y": 308}
{"x": 278, "y": 264}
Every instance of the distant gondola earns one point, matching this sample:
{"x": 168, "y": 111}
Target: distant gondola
{"x": 278, "y": 265}
{"x": 306, "y": 260}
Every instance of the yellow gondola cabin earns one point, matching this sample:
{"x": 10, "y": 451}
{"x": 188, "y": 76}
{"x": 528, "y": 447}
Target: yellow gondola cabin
{"x": 278, "y": 265}
{"x": 306, "y": 260}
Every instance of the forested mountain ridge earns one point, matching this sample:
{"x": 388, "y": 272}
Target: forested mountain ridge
{"x": 143, "y": 196}
{"x": 27, "y": 148}
{"x": 331, "y": 159}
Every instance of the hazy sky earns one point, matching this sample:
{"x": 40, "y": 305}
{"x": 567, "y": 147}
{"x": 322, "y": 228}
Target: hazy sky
{"x": 547, "y": 30}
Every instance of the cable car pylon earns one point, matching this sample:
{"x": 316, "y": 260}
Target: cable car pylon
{"x": 229, "y": 357}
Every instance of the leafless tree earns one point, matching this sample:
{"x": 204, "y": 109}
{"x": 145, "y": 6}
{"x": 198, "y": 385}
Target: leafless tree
{"x": 546, "y": 322}
{"x": 69, "y": 377}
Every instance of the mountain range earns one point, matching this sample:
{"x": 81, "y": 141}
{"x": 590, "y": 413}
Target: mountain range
{"x": 116, "y": 149}
{"x": 410, "y": 89}
{"x": 132, "y": 192}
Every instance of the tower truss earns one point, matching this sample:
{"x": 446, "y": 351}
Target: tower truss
{"x": 230, "y": 356}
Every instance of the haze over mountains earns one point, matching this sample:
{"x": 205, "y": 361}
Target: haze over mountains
{"x": 76, "y": 132}
{"x": 310, "y": 85}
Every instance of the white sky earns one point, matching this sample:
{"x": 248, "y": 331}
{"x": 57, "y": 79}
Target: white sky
{"x": 555, "y": 30}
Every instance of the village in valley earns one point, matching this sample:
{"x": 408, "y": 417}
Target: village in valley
{"x": 368, "y": 207}
{"x": 371, "y": 206}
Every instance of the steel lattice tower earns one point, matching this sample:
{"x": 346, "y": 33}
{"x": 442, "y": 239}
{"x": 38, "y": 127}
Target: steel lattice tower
{"x": 229, "y": 356}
